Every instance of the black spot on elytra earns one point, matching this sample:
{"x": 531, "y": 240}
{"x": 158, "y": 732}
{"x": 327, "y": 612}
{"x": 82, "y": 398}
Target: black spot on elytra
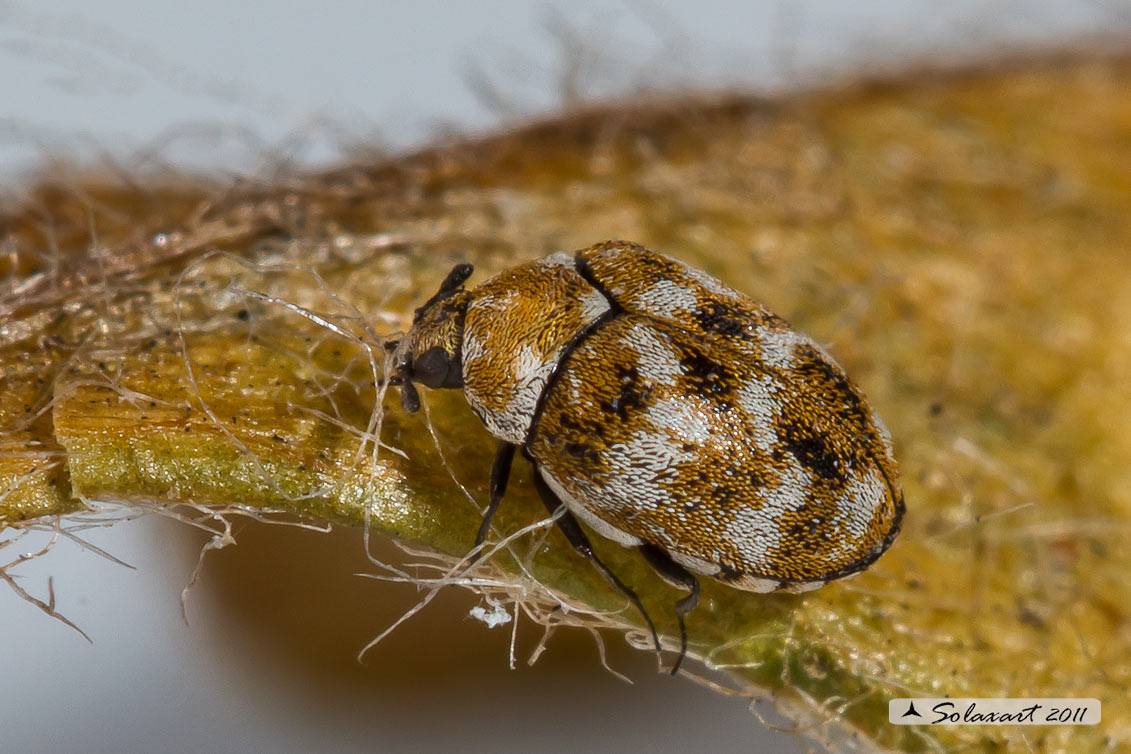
{"x": 573, "y": 426}
{"x": 811, "y": 450}
{"x": 833, "y": 387}
{"x": 581, "y": 450}
{"x": 632, "y": 394}
{"x": 717, "y": 317}
{"x": 706, "y": 376}
{"x": 724, "y": 496}
{"x": 806, "y": 529}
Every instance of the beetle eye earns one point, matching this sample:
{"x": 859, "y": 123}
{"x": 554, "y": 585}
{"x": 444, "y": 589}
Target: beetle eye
{"x": 436, "y": 368}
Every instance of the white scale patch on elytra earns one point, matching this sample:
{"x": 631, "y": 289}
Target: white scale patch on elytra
{"x": 758, "y": 400}
{"x": 856, "y": 508}
{"x": 655, "y": 360}
{"x": 593, "y": 305}
{"x": 756, "y": 530}
{"x": 777, "y": 347}
{"x": 640, "y": 469}
{"x": 688, "y": 419}
{"x": 664, "y": 298}
{"x": 585, "y": 514}
{"x": 648, "y": 454}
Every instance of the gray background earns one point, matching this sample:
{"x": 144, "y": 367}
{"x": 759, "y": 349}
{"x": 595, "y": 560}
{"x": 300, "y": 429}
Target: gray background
{"x": 235, "y": 86}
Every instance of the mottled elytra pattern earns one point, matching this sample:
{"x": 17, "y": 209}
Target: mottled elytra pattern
{"x": 668, "y": 411}
{"x": 683, "y": 443}
{"x": 699, "y": 421}
{"x": 661, "y": 288}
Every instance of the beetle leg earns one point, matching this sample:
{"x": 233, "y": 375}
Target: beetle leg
{"x": 679, "y": 577}
{"x": 500, "y": 473}
{"x": 573, "y": 532}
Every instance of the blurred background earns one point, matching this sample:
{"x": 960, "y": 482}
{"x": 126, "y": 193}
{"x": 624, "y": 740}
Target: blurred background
{"x": 267, "y": 660}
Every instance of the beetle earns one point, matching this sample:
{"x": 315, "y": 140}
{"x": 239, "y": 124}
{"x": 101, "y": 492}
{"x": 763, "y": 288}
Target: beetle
{"x": 668, "y": 413}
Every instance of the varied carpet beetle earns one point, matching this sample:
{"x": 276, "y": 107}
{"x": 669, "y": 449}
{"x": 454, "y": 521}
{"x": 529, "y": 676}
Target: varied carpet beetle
{"x": 666, "y": 412}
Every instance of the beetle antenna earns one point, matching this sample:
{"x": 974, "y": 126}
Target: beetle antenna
{"x": 459, "y": 274}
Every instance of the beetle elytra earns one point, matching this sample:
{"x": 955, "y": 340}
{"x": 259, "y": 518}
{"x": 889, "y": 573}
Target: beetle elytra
{"x": 666, "y": 412}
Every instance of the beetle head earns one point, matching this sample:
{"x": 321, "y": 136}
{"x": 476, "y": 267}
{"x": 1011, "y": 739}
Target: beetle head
{"x": 431, "y": 352}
